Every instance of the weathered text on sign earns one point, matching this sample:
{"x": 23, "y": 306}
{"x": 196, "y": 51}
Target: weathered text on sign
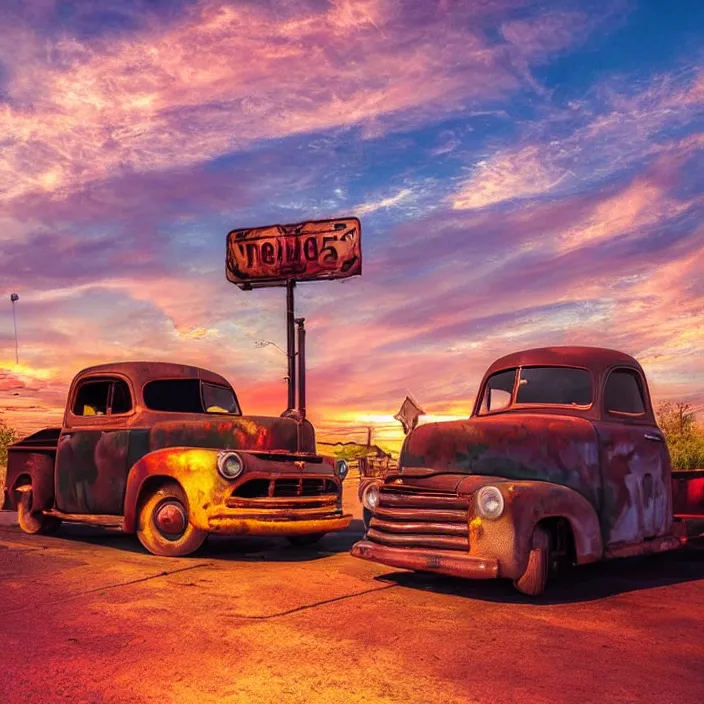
{"x": 308, "y": 251}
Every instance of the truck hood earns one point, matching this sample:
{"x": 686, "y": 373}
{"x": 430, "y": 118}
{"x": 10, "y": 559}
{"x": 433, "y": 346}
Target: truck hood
{"x": 514, "y": 445}
{"x": 255, "y": 433}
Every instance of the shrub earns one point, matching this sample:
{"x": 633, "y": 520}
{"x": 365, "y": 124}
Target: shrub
{"x": 685, "y": 438}
{"x": 8, "y": 435}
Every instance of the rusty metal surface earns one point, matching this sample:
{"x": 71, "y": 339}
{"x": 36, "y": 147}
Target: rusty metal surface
{"x": 688, "y": 493}
{"x": 599, "y": 361}
{"x": 602, "y": 484}
{"x": 212, "y": 500}
{"x": 648, "y": 547}
{"x": 543, "y": 447}
{"x": 96, "y": 453}
{"x": 102, "y": 462}
{"x": 322, "y": 249}
{"x": 443, "y": 562}
{"x": 29, "y": 466}
{"x": 94, "y": 520}
{"x": 429, "y": 512}
{"x": 637, "y": 494}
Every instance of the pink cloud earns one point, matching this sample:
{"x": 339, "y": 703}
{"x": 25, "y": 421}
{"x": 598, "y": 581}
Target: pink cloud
{"x": 601, "y": 143}
{"x": 222, "y": 77}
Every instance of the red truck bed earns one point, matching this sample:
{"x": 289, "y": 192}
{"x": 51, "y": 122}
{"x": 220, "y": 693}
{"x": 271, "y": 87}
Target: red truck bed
{"x": 688, "y": 501}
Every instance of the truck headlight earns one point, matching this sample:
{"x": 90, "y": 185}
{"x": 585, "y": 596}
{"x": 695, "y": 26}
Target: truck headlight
{"x": 490, "y": 502}
{"x": 370, "y": 497}
{"x": 342, "y": 468}
{"x": 230, "y": 465}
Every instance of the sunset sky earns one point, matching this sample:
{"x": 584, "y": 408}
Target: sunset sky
{"x": 526, "y": 173}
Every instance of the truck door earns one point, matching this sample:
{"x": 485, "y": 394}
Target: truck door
{"x": 91, "y": 462}
{"x": 637, "y": 502}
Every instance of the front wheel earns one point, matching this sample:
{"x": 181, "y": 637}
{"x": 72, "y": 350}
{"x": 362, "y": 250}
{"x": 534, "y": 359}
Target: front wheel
{"x": 34, "y": 523}
{"x": 305, "y": 539}
{"x": 163, "y": 526}
{"x": 532, "y": 582}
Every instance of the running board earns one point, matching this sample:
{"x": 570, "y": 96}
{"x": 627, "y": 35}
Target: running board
{"x": 647, "y": 547}
{"x": 88, "y": 519}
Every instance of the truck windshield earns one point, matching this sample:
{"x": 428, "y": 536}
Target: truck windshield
{"x": 189, "y": 396}
{"x": 549, "y": 386}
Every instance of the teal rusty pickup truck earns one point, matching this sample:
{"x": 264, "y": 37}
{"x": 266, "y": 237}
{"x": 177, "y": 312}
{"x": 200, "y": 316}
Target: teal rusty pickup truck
{"x": 561, "y": 462}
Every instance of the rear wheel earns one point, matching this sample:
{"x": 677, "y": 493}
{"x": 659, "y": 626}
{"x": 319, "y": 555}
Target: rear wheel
{"x": 305, "y": 539}
{"x": 34, "y": 523}
{"x": 533, "y": 580}
{"x": 163, "y": 526}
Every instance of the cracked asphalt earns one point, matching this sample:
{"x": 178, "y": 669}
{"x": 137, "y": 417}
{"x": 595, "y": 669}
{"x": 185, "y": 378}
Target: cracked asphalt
{"x": 88, "y": 617}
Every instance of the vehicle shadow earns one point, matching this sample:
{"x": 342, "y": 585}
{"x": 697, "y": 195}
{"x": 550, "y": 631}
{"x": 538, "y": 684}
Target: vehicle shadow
{"x": 235, "y": 548}
{"x": 581, "y": 584}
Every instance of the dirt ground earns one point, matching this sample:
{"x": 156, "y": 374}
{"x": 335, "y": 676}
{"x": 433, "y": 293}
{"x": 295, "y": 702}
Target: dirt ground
{"x": 89, "y": 617}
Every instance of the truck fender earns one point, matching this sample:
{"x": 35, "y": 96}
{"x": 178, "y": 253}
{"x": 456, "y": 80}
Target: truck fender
{"x": 533, "y": 502}
{"x": 193, "y": 468}
{"x": 39, "y": 468}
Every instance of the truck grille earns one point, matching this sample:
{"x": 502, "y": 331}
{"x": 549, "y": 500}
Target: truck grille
{"x": 290, "y": 487}
{"x": 420, "y": 519}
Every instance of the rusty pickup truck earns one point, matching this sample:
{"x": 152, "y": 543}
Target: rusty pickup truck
{"x": 163, "y": 450}
{"x": 561, "y": 462}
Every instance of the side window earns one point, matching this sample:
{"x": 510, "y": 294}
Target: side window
{"x": 121, "y": 399}
{"x": 498, "y": 390}
{"x": 103, "y": 397}
{"x": 624, "y": 393}
{"x": 92, "y": 398}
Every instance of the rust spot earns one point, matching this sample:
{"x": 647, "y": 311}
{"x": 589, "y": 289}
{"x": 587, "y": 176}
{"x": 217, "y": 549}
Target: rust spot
{"x": 475, "y": 529}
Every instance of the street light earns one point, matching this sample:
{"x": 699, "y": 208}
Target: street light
{"x": 13, "y": 299}
{"x": 259, "y": 344}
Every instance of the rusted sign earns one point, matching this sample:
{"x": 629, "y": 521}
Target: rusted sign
{"x": 308, "y": 251}
{"x": 408, "y": 414}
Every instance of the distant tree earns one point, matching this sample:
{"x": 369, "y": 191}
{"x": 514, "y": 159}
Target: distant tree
{"x": 685, "y": 439}
{"x": 8, "y": 435}
{"x": 675, "y": 418}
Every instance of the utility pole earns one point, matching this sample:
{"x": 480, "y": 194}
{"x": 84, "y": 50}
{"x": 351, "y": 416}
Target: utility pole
{"x": 14, "y": 298}
{"x": 291, "y": 344}
{"x": 369, "y": 438}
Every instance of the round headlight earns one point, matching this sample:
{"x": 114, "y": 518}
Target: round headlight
{"x": 490, "y": 502}
{"x": 230, "y": 465}
{"x": 370, "y": 497}
{"x": 342, "y": 468}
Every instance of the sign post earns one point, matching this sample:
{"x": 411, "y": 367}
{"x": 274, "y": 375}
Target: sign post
{"x": 283, "y": 255}
{"x": 291, "y": 344}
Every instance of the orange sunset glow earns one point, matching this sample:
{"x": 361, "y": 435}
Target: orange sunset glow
{"x": 507, "y": 199}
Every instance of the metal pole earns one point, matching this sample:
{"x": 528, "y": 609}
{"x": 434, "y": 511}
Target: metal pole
{"x": 14, "y": 297}
{"x": 291, "y": 340}
{"x": 301, "y": 368}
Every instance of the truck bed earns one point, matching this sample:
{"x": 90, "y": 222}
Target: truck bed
{"x": 37, "y": 450}
{"x": 45, "y": 439}
{"x": 688, "y": 493}
{"x": 688, "y": 502}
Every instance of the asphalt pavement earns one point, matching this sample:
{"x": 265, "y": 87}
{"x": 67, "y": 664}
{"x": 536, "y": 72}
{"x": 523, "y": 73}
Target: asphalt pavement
{"x": 89, "y": 617}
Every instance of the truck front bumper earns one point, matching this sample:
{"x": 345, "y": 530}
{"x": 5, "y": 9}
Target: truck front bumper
{"x": 269, "y": 525}
{"x": 446, "y": 562}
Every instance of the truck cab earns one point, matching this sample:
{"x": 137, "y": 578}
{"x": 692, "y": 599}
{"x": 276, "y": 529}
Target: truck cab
{"x": 163, "y": 450}
{"x": 561, "y": 461}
